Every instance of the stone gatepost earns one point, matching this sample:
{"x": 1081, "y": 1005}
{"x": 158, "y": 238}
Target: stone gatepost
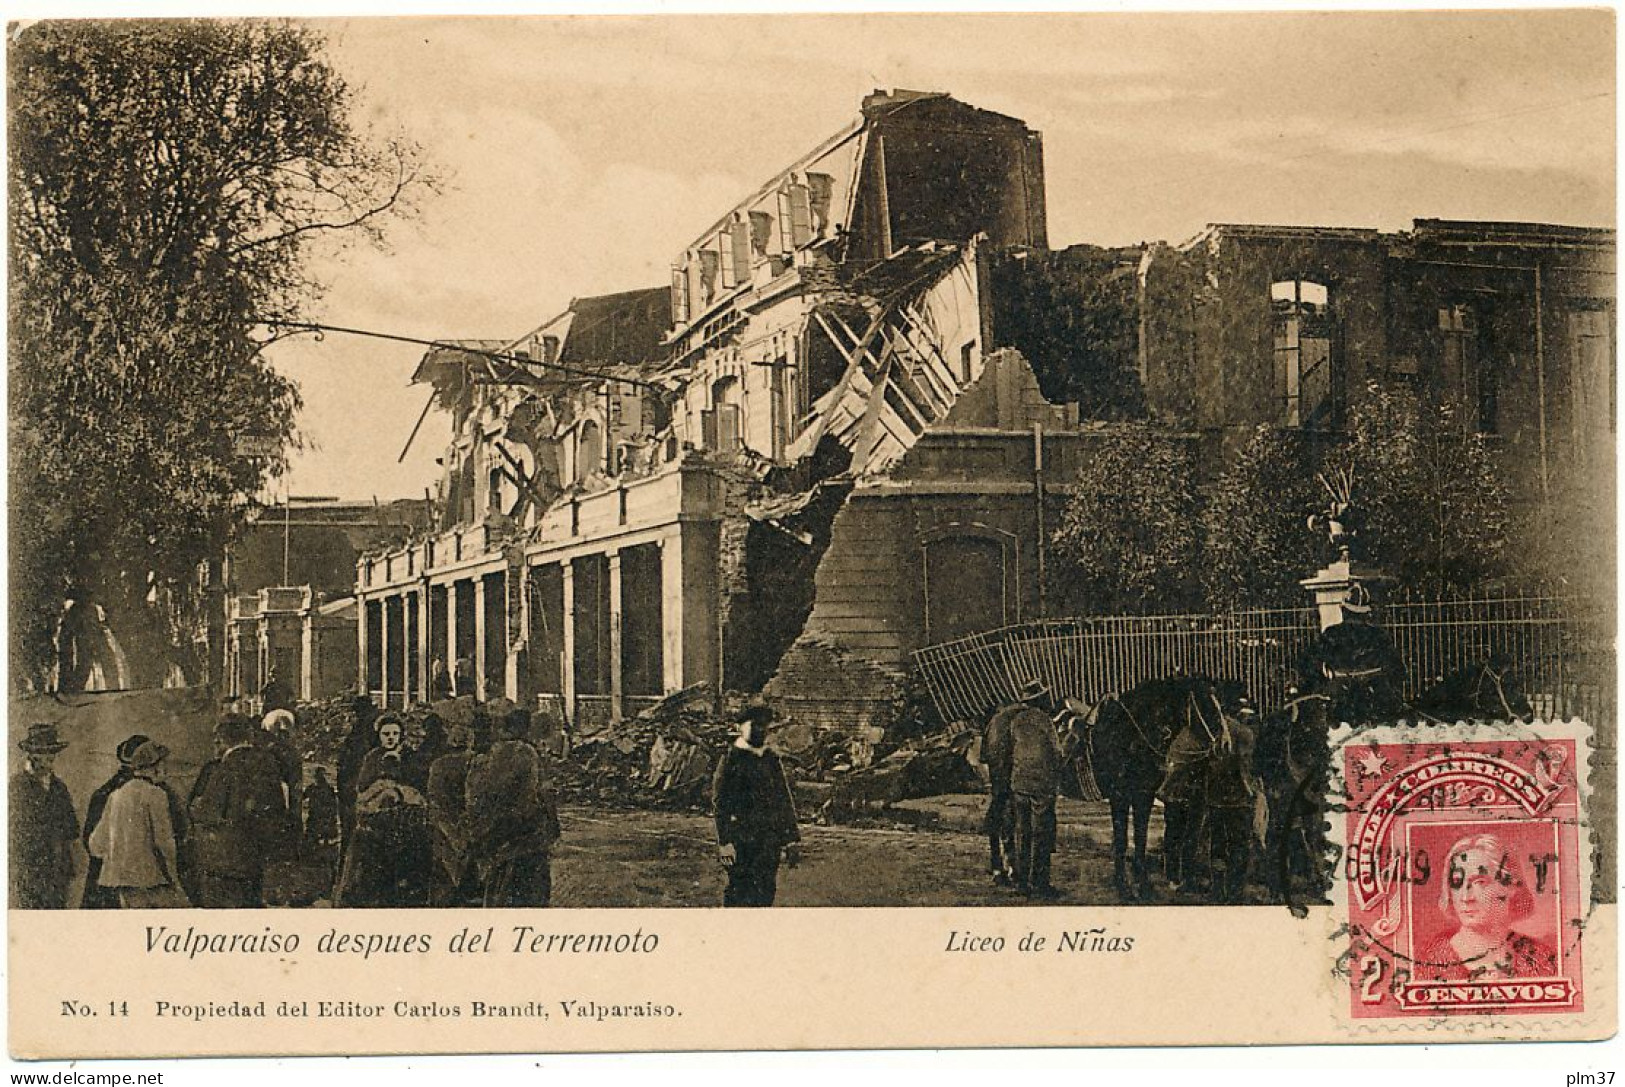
{"x": 1346, "y": 581}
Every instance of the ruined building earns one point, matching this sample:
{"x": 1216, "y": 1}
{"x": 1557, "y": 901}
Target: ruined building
{"x": 1511, "y": 323}
{"x": 844, "y": 429}
{"x": 806, "y": 457}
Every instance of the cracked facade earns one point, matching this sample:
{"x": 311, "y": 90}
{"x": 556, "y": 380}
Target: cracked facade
{"x": 842, "y": 430}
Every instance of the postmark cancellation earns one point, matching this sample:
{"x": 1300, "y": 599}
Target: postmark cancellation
{"x": 1464, "y": 868}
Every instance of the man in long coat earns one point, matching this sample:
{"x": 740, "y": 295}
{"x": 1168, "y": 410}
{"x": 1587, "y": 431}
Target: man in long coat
{"x": 97, "y": 897}
{"x": 43, "y": 826}
{"x": 755, "y": 814}
{"x": 275, "y": 735}
{"x": 1356, "y": 665}
{"x": 999, "y": 824}
{"x": 239, "y": 818}
{"x": 455, "y": 882}
{"x": 357, "y": 743}
{"x": 276, "y": 694}
{"x": 135, "y": 838}
{"x": 512, "y": 819}
{"x": 1036, "y": 762}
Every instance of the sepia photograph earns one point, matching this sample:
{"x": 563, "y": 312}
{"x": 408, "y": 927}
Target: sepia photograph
{"x": 1024, "y": 469}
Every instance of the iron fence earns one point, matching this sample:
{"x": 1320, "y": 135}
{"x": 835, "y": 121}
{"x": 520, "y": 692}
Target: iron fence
{"x": 1561, "y": 651}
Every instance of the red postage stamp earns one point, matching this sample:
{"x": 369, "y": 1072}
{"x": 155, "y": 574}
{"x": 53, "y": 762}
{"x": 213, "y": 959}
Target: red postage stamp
{"x": 1466, "y": 868}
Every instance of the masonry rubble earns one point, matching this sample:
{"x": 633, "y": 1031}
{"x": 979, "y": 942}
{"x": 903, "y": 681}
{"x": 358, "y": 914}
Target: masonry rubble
{"x": 839, "y": 434}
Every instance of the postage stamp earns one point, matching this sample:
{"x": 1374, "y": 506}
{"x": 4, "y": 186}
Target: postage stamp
{"x": 1465, "y": 867}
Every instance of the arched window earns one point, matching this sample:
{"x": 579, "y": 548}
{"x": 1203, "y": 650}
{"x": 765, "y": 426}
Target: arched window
{"x": 968, "y": 581}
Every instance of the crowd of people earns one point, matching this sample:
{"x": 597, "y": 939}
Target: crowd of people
{"x": 417, "y": 813}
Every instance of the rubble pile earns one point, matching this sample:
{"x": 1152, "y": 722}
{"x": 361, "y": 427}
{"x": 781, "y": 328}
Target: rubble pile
{"x": 945, "y": 762}
{"x": 320, "y": 728}
{"x": 662, "y": 757}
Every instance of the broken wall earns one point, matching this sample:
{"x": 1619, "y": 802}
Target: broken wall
{"x": 1074, "y": 316}
{"x": 1210, "y": 315}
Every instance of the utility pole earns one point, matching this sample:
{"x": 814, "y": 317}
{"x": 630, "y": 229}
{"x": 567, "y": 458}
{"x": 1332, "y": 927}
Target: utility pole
{"x": 287, "y": 524}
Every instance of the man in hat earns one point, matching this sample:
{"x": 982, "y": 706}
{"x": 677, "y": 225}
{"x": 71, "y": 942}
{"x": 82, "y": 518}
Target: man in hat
{"x": 756, "y": 816}
{"x": 43, "y": 826}
{"x": 239, "y": 818}
{"x": 455, "y": 880}
{"x": 1355, "y": 664}
{"x": 357, "y": 743}
{"x": 999, "y": 824}
{"x": 135, "y": 838}
{"x": 1036, "y": 761}
{"x": 95, "y": 896}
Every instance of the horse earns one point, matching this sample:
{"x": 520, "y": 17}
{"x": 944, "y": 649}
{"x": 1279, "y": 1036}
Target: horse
{"x": 1209, "y": 794}
{"x": 1128, "y": 738}
{"x": 1290, "y": 760}
{"x": 1487, "y": 690}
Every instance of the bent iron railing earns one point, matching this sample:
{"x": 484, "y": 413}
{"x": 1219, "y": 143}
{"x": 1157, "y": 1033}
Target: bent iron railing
{"x": 1562, "y": 652}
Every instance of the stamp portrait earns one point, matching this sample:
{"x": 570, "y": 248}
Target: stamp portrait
{"x": 1465, "y": 869}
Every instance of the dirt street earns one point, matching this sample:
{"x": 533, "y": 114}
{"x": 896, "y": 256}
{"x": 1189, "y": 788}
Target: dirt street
{"x": 640, "y": 858}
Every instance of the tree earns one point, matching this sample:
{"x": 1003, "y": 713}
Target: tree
{"x": 1257, "y": 544}
{"x": 1128, "y": 536}
{"x": 167, "y": 183}
{"x": 1433, "y": 498}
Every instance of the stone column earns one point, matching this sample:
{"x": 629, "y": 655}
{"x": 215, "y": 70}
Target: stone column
{"x": 422, "y": 648}
{"x": 361, "y": 677}
{"x": 479, "y": 639}
{"x": 517, "y": 585}
{"x": 567, "y": 680}
{"x": 451, "y": 633}
{"x": 394, "y": 627}
{"x": 616, "y": 702}
{"x": 406, "y": 647}
{"x": 671, "y": 610}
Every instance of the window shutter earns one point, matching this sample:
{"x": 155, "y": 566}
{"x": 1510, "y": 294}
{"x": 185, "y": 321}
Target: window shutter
{"x": 679, "y": 294}
{"x": 739, "y": 238}
{"x": 725, "y": 255}
{"x": 800, "y": 216}
{"x": 787, "y": 240}
{"x": 821, "y": 191}
{"x": 709, "y": 261}
{"x": 696, "y": 290}
{"x": 761, "y": 232}
{"x": 708, "y": 429}
{"x": 727, "y": 428}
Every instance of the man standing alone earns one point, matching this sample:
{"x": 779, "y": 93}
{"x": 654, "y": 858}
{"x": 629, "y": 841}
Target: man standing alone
{"x": 999, "y": 825}
{"x": 1035, "y": 776}
{"x": 756, "y": 817}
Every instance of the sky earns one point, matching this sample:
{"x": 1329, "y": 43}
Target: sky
{"x": 580, "y": 154}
